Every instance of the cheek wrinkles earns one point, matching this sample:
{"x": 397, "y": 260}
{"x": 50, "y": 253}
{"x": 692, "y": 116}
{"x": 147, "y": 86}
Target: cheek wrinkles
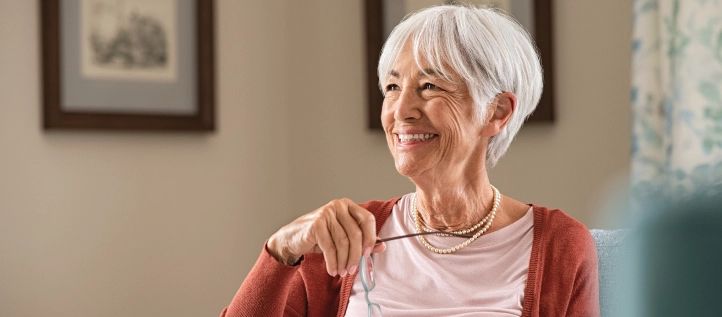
{"x": 453, "y": 113}
{"x": 446, "y": 143}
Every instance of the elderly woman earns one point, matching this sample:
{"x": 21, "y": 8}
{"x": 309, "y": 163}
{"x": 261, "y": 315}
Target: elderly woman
{"x": 458, "y": 83}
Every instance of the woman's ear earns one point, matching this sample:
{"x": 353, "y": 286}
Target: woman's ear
{"x": 501, "y": 108}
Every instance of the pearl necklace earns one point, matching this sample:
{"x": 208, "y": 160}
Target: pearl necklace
{"x": 486, "y": 222}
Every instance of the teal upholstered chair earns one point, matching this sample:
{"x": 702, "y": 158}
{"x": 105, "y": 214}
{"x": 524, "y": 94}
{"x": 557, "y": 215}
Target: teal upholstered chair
{"x": 612, "y": 246}
{"x": 669, "y": 264}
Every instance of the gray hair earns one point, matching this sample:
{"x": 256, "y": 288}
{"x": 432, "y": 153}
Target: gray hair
{"x": 489, "y": 50}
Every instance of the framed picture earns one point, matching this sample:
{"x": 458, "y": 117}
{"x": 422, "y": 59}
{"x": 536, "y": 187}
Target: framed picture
{"x": 383, "y": 15}
{"x": 128, "y": 64}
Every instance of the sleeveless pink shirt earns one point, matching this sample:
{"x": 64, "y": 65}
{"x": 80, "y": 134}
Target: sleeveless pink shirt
{"x": 486, "y": 278}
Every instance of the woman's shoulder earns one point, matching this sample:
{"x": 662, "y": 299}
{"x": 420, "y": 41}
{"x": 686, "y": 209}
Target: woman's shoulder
{"x": 557, "y": 228}
{"x": 381, "y": 209}
{"x": 380, "y": 206}
{"x": 556, "y": 218}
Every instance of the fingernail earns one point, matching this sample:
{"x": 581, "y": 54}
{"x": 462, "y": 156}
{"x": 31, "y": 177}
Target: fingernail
{"x": 367, "y": 251}
{"x": 352, "y": 270}
{"x": 334, "y": 273}
{"x": 343, "y": 272}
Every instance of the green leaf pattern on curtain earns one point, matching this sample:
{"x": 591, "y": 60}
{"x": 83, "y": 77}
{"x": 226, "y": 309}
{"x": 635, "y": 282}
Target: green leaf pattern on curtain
{"x": 677, "y": 98}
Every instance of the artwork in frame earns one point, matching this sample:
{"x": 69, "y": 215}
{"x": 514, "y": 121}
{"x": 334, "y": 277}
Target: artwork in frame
{"x": 128, "y": 64}
{"x": 383, "y": 15}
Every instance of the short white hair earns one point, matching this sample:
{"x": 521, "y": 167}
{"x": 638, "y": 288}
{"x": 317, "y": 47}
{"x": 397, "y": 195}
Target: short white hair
{"x": 490, "y": 51}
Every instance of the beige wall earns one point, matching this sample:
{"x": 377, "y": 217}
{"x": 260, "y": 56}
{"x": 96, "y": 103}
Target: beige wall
{"x": 142, "y": 224}
{"x": 332, "y": 152}
{"x": 168, "y": 224}
{"x": 572, "y": 164}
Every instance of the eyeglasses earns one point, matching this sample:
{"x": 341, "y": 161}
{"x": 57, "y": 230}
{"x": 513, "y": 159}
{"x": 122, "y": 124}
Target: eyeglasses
{"x": 366, "y": 267}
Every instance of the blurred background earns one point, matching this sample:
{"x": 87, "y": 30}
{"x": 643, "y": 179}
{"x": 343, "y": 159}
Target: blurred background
{"x": 169, "y": 224}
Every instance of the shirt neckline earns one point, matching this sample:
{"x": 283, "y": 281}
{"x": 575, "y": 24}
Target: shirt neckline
{"x": 518, "y": 227}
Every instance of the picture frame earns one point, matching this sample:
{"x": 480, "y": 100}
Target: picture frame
{"x": 539, "y": 20}
{"x": 128, "y": 64}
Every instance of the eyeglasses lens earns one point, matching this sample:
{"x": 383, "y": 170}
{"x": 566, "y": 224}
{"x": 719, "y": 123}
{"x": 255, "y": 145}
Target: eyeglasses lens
{"x": 367, "y": 273}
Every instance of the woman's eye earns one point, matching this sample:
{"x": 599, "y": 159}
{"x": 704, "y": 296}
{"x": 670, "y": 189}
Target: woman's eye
{"x": 392, "y": 87}
{"x": 430, "y": 86}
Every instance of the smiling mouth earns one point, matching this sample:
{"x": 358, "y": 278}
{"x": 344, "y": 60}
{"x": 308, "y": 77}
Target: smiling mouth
{"x": 415, "y": 137}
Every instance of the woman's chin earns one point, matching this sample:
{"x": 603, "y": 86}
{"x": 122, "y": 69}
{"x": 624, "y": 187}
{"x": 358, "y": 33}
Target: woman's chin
{"x": 409, "y": 170}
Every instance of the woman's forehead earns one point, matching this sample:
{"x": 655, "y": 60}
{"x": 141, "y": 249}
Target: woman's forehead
{"x": 408, "y": 64}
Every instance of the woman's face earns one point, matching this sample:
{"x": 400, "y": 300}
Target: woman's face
{"x": 429, "y": 122}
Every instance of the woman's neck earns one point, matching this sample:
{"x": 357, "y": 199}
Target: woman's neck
{"x": 454, "y": 203}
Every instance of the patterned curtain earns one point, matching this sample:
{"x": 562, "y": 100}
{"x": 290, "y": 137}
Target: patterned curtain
{"x": 677, "y": 98}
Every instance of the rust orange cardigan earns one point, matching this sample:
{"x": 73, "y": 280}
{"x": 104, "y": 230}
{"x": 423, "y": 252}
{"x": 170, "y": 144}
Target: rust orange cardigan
{"x": 562, "y": 278}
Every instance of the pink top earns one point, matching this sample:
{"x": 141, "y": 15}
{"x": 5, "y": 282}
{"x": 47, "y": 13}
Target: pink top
{"x": 486, "y": 278}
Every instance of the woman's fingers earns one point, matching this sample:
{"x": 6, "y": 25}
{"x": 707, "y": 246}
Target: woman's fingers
{"x": 325, "y": 242}
{"x": 367, "y": 223}
{"x": 342, "y": 230}
{"x": 381, "y": 247}
{"x": 355, "y": 235}
{"x": 341, "y": 242}
{"x": 352, "y": 229}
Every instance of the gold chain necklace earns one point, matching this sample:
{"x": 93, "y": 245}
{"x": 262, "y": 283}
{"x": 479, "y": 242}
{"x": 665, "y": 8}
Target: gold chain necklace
{"x": 486, "y": 222}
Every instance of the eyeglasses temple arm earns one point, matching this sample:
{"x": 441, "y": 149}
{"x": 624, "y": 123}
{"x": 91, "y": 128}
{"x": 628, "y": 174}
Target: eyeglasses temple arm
{"x": 378, "y": 241}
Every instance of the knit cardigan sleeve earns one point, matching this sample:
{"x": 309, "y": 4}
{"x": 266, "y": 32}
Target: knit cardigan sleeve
{"x": 272, "y": 288}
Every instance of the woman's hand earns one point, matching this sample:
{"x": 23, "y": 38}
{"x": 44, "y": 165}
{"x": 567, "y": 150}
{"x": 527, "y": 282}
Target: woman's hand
{"x": 341, "y": 230}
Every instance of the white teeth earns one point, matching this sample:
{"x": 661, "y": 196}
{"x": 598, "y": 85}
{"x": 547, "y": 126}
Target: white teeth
{"x": 415, "y": 137}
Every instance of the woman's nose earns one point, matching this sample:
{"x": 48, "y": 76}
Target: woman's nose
{"x": 408, "y": 106}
